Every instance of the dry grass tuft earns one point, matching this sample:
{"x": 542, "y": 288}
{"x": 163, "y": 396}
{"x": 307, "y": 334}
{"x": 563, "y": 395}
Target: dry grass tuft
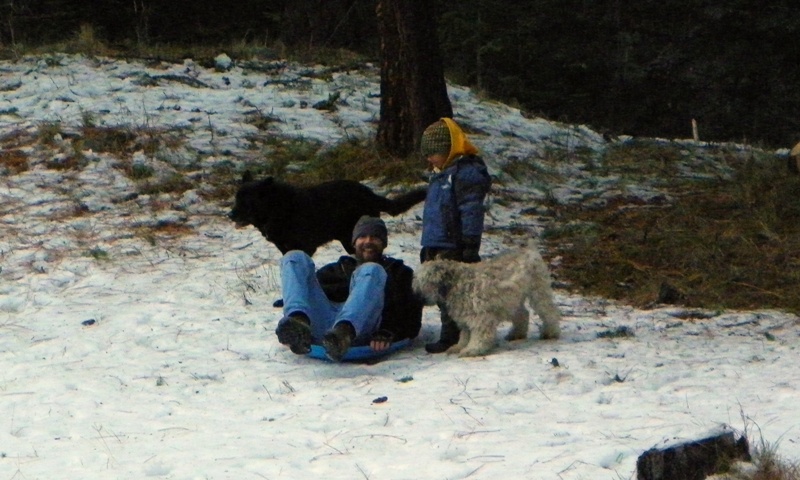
{"x": 47, "y": 132}
{"x": 174, "y": 183}
{"x": 358, "y": 160}
{"x": 14, "y": 156}
{"x": 304, "y": 162}
{"x": 730, "y": 242}
{"x": 642, "y": 157}
{"x": 113, "y": 140}
{"x": 766, "y": 465}
{"x": 777, "y": 471}
{"x": 769, "y": 466}
{"x": 163, "y": 232}
{"x": 13, "y": 162}
{"x": 75, "y": 161}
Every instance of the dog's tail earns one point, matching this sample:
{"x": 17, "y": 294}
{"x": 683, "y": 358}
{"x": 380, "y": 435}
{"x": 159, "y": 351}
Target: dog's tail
{"x": 401, "y": 203}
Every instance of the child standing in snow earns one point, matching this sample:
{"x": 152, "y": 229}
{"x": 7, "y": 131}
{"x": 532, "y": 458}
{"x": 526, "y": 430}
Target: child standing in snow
{"x": 453, "y": 215}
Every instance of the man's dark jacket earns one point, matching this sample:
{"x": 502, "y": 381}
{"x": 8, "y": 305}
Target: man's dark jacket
{"x": 402, "y": 309}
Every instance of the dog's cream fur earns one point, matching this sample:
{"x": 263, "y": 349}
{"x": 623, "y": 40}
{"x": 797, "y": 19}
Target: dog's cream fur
{"x": 478, "y": 296}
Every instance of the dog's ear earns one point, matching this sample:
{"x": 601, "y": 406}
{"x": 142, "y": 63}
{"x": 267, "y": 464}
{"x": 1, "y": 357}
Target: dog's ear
{"x": 247, "y": 176}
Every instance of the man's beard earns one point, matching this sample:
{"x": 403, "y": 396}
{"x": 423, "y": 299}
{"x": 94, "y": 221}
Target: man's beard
{"x": 368, "y": 252}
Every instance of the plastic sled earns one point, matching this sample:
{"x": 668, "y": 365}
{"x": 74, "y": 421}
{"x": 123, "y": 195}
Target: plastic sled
{"x": 361, "y": 353}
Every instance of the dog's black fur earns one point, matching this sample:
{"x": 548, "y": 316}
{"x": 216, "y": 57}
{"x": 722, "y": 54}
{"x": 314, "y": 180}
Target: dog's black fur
{"x": 304, "y": 218}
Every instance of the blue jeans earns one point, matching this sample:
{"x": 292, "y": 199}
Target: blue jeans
{"x": 303, "y": 293}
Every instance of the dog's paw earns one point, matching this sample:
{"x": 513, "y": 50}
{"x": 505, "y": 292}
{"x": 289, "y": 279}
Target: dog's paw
{"x": 454, "y": 350}
{"x": 472, "y": 352}
{"x": 513, "y": 336}
{"x": 550, "y": 333}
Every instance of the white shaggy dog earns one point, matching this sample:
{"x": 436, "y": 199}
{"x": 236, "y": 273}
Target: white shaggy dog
{"x": 478, "y": 296}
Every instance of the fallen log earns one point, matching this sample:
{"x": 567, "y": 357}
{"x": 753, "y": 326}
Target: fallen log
{"x": 694, "y": 459}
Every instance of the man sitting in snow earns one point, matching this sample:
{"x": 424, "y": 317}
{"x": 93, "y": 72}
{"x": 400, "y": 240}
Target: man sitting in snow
{"x": 363, "y": 299}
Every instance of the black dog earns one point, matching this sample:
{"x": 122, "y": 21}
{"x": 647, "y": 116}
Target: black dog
{"x": 304, "y": 218}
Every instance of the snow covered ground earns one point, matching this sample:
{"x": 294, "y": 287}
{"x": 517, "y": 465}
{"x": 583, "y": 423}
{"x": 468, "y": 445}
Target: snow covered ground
{"x": 129, "y": 353}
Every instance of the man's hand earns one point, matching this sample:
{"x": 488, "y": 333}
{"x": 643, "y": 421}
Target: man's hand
{"x": 381, "y": 341}
{"x": 379, "y": 345}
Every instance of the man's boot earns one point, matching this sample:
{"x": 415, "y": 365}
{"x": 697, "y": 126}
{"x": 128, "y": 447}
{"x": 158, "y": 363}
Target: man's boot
{"x": 447, "y": 338}
{"x": 338, "y": 340}
{"x": 295, "y": 331}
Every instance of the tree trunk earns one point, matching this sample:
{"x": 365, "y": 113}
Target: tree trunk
{"x": 413, "y": 89}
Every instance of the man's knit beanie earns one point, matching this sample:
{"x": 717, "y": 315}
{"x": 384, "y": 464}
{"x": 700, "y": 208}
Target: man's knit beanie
{"x": 435, "y": 139}
{"x": 373, "y": 226}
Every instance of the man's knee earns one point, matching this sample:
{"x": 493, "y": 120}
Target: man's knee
{"x": 371, "y": 269}
{"x": 297, "y": 257}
